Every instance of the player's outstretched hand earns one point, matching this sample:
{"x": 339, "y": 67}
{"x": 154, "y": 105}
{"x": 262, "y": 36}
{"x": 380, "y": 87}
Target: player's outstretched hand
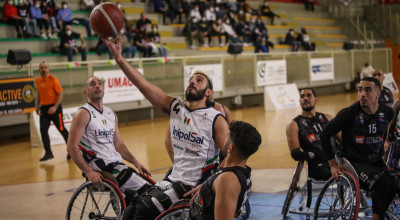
{"x": 115, "y": 48}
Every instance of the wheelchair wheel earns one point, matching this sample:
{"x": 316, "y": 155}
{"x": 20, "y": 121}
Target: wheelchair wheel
{"x": 178, "y": 212}
{"x": 339, "y": 199}
{"x": 96, "y": 201}
{"x": 293, "y": 189}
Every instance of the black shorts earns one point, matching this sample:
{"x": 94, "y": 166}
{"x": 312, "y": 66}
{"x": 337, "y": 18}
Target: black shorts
{"x": 368, "y": 173}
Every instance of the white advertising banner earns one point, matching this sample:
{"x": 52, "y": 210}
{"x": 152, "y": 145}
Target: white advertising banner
{"x": 214, "y": 71}
{"x": 55, "y": 137}
{"x": 321, "y": 69}
{"x": 281, "y": 97}
{"x": 117, "y": 87}
{"x": 271, "y": 72}
{"x": 390, "y": 83}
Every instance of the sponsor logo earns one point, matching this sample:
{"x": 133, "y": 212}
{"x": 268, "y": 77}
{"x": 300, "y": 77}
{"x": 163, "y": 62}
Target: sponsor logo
{"x": 192, "y": 152}
{"x": 324, "y": 68}
{"x": 178, "y": 147}
{"x": 311, "y": 138}
{"x": 104, "y": 132}
{"x": 360, "y": 139}
{"x": 373, "y": 140}
{"x": 189, "y": 136}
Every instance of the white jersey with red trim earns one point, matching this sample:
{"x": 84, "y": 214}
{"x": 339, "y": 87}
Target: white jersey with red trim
{"x": 97, "y": 141}
{"x": 192, "y": 137}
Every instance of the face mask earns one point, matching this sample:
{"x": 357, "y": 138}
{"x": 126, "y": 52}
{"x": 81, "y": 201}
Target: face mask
{"x": 194, "y": 20}
{"x": 37, "y": 5}
{"x": 154, "y": 29}
{"x": 241, "y": 12}
{"x": 217, "y": 9}
{"x": 122, "y": 31}
{"x": 211, "y": 9}
{"x": 203, "y": 19}
{"x": 10, "y": 2}
{"x": 65, "y": 6}
{"x": 68, "y": 33}
{"x": 119, "y": 5}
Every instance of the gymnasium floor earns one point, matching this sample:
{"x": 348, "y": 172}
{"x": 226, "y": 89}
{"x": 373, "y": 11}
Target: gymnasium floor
{"x": 33, "y": 190}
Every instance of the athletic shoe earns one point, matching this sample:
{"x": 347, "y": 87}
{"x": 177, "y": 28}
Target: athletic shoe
{"x": 43, "y": 36}
{"x": 46, "y": 157}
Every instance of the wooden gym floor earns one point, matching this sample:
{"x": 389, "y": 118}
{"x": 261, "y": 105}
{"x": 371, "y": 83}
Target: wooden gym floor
{"x": 33, "y": 190}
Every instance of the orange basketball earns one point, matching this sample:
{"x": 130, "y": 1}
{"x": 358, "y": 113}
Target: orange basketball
{"x": 106, "y": 20}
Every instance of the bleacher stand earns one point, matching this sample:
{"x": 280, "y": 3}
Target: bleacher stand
{"x": 10, "y": 16}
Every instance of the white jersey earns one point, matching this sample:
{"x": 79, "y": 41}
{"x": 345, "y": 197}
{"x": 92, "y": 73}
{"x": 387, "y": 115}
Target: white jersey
{"x": 97, "y": 142}
{"x": 192, "y": 137}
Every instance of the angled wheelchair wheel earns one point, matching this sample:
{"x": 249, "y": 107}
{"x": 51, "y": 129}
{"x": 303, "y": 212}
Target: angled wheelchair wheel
{"x": 293, "y": 188}
{"x": 339, "y": 199}
{"x": 96, "y": 201}
{"x": 178, "y": 212}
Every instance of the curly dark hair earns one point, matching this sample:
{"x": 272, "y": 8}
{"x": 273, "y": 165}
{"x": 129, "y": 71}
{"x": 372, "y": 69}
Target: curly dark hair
{"x": 244, "y": 137}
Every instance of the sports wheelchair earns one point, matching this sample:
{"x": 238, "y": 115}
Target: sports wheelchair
{"x": 342, "y": 198}
{"x": 107, "y": 201}
{"x": 305, "y": 193}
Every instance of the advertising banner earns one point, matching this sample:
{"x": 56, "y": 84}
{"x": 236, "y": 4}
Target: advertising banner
{"x": 17, "y": 96}
{"x": 117, "y": 87}
{"x": 55, "y": 136}
{"x": 214, "y": 71}
{"x": 281, "y": 97}
{"x": 321, "y": 69}
{"x": 271, "y": 72}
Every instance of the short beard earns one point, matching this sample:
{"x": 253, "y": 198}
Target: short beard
{"x": 199, "y": 95}
{"x": 308, "y": 109}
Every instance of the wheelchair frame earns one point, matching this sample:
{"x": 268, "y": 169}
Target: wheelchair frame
{"x": 304, "y": 207}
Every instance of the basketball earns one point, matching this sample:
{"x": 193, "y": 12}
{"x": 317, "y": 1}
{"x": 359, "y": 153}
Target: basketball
{"x": 106, "y": 20}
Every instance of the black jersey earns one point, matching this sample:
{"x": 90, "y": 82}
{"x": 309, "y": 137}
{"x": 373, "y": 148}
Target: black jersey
{"x": 309, "y": 135}
{"x": 386, "y": 97}
{"x": 363, "y": 135}
{"x": 203, "y": 205}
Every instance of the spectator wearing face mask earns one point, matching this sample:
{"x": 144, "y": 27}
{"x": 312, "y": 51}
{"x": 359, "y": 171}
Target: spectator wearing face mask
{"x": 65, "y": 17}
{"x": 219, "y": 12}
{"x": 155, "y": 41}
{"x": 191, "y": 31}
{"x": 230, "y": 33}
{"x": 87, "y": 5}
{"x": 48, "y": 14}
{"x": 179, "y": 7}
{"x": 266, "y": 11}
{"x": 68, "y": 43}
{"x": 23, "y": 13}
{"x": 210, "y": 14}
{"x": 195, "y": 12}
{"x": 218, "y": 30}
{"x": 10, "y": 16}
{"x": 290, "y": 40}
{"x": 42, "y": 21}
{"x": 205, "y": 29}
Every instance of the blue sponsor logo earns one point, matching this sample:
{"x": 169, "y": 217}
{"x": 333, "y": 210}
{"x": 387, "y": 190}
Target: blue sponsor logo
{"x": 189, "y": 136}
{"x": 321, "y": 68}
{"x": 104, "y": 132}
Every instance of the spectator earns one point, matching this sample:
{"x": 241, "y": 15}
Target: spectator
{"x": 210, "y": 15}
{"x": 48, "y": 14}
{"x": 290, "y": 40}
{"x": 23, "y": 12}
{"x": 219, "y": 12}
{"x": 309, "y": 5}
{"x": 260, "y": 41}
{"x": 230, "y": 33}
{"x": 142, "y": 22}
{"x": 127, "y": 47}
{"x": 243, "y": 31}
{"x": 68, "y": 44}
{"x": 161, "y": 7}
{"x": 43, "y": 22}
{"x": 155, "y": 41}
{"x": 64, "y": 17}
{"x": 266, "y": 11}
{"x": 205, "y": 29}
{"x": 366, "y": 70}
{"x": 87, "y": 5}
{"x": 231, "y": 15}
{"x": 218, "y": 30}
{"x": 195, "y": 12}
{"x": 179, "y": 7}
{"x": 140, "y": 41}
{"x": 305, "y": 40}
{"x": 191, "y": 31}
{"x": 10, "y": 16}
